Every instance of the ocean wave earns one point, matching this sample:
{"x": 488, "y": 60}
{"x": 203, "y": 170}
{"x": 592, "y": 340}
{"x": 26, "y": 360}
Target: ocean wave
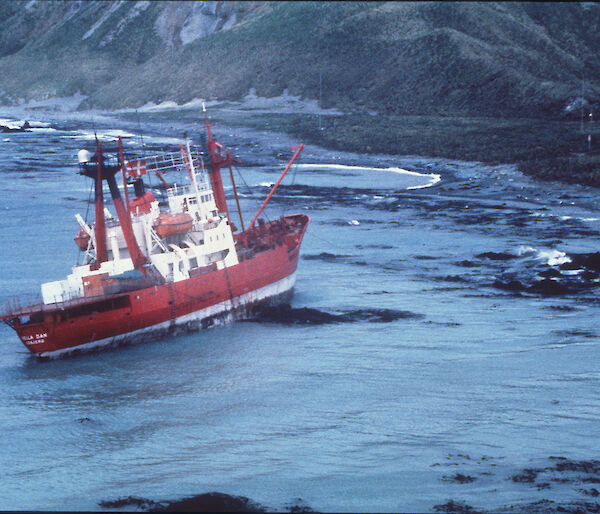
{"x": 551, "y": 256}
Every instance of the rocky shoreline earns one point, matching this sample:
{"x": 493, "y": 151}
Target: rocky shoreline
{"x": 563, "y": 150}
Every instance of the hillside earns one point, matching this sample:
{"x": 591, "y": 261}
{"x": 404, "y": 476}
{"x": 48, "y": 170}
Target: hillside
{"x": 467, "y": 59}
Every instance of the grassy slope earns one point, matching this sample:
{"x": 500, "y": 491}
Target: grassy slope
{"x": 396, "y": 58}
{"x": 54, "y": 59}
{"x": 491, "y": 59}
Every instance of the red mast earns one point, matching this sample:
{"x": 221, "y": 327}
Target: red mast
{"x": 124, "y": 173}
{"x": 217, "y": 161}
{"x": 107, "y": 172}
{"x": 100, "y": 229}
{"x": 137, "y": 257}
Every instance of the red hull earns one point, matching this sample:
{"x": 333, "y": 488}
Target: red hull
{"x": 57, "y": 327}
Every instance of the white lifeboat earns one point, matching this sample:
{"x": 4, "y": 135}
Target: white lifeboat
{"x": 82, "y": 239}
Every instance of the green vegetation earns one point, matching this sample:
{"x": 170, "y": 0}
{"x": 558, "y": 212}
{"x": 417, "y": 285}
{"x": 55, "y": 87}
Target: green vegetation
{"x": 396, "y": 58}
{"x": 575, "y": 169}
{"x": 419, "y": 58}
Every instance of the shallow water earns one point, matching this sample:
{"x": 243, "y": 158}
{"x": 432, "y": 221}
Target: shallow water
{"x": 490, "y": 367}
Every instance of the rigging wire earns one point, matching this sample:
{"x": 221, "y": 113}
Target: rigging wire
{"x": 311, "y": 234}
{"x": 291, "y": 184}
{"x": 250, "y": 193}
{"x": 137, "y": 115}
{"x": 247, "y": 186}
{"x": 87, "y": 213}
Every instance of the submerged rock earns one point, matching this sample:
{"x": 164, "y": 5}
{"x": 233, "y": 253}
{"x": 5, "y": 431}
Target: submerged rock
{"x": 210, "y": 502}
{"x": 207, "y": 502}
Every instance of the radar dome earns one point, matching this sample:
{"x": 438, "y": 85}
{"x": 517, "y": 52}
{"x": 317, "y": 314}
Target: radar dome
{"x": 84, "y": 156}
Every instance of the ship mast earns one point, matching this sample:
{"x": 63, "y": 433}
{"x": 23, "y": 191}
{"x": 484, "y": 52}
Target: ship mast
{"x": 100, "y": 227}
{"x": 107, "y": 172}
{"x": 217, "y": 161}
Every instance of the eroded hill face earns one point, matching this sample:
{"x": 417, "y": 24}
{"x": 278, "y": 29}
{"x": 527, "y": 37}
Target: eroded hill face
{"x": 497, "y": 59}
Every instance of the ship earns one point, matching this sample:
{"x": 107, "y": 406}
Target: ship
{"x": 162, "y": 266}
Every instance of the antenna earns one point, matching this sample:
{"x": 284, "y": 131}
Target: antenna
{"x": 137, "y": 115}
{"x": 94, "y": 127}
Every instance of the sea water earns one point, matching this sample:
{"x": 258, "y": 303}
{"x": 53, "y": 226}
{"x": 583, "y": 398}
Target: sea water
{"x": 464, "y": 348}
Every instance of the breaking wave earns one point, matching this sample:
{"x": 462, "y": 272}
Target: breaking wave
{"x": 551, "y": 256}
{"x": 552, "y": 273}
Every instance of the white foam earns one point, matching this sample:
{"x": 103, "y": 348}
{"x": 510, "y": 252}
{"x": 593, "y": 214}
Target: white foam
{"x": 43, "y": 129}
{"x": 554, "y": 257}
{"x": 12, "y": 124}
{"x": 104, "y": 135}
{"x": 551, "y": 256}
{"x": 161, "y": 139}
{"x": 38, "y": 126}
{"x": 566, "y": 218}
{"x": 434, "y": 178}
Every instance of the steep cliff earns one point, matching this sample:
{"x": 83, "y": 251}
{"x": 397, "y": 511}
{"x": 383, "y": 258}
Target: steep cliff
{"x": 498, "y": 59}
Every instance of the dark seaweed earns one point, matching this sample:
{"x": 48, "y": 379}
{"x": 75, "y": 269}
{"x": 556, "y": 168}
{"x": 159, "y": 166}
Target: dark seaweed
{"x": 207, "y": 502}
{"x": 306, "y": 316}
{"x": 455, "y": 507}
{"x": 325, "y": 256}
{"x": 210, "y": 502}
{"x": 460, "y": 478}
{"x": 130, "y": 501}
{"x": 496, "y": 256}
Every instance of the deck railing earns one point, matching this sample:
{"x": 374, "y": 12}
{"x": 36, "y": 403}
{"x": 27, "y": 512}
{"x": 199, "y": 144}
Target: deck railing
{"x": 15, "y": 305}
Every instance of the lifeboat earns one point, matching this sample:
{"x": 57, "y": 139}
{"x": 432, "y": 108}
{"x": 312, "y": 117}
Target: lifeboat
{"x": 141, "y": 204}
{"x": 82, "y": 239}
{"x": 171, "y": 224}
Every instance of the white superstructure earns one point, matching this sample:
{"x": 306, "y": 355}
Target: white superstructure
{"x": 184, "y": 238}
